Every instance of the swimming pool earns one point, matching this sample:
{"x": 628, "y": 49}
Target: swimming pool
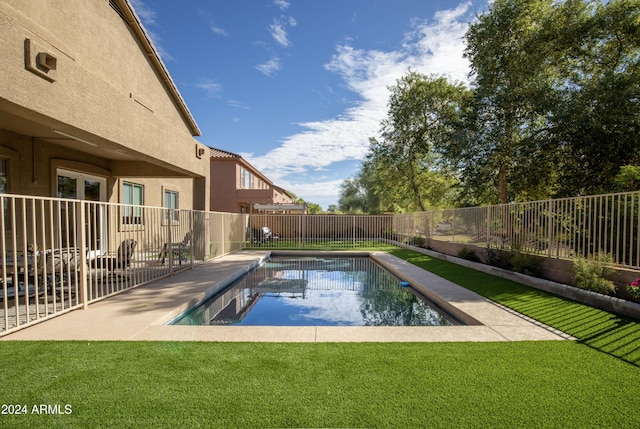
{"x": 317, "y": 291}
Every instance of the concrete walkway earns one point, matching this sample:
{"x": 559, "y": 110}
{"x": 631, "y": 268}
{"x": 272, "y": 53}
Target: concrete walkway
{"x": 141, "y": 314}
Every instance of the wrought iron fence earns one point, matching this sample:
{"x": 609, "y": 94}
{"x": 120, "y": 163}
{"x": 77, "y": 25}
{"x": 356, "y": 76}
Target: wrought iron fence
{"x": 560, "y": 228}
{"x": 60, "y": 254}
{"x": 318, "y": 231}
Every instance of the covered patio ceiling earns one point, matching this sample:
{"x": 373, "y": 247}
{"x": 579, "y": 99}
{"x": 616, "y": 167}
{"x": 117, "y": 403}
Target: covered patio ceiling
{"x": 45, "y": 130}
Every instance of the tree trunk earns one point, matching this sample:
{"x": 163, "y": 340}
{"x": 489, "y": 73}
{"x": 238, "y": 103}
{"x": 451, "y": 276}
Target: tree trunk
{"x": 502, "y": 178}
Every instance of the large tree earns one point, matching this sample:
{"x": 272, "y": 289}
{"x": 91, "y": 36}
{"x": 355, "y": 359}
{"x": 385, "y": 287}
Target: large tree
{"x": 506, "y": 147}
{"x": 597, "y": 116}
{"x": 556, "y": 107}
{"x": 423, "y": 116}
{"x": 352, "y": 197}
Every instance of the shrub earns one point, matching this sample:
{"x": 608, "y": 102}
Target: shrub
{"x": 468, "y": 254}
{"x": 634, "y": 289}
{"x": 499, "y": 258}
{"x": 416, "y": 241}
{"x": 526, "y": 264}
{"x": 590, "y": 273}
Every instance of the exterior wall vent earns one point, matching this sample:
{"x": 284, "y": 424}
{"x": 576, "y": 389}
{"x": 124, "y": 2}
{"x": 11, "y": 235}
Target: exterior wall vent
{"x": 46, "y": 61}
{"x": 40, "y": 61}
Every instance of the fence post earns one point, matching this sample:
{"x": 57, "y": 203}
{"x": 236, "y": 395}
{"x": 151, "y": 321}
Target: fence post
{"x": 353, "y": 231}
{"x": 192, "y": 240}
{"x": 170, "y": 241}
{"x": 550, "y": 228}
{"x": 488, "y": 226}
{"x": 453, "y": 226}
{"x": 223, "y": 222}
{"x": 84, "y": 294}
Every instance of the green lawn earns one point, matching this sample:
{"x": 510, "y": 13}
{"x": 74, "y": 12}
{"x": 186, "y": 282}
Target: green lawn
{"x": 599, "y": 329}
{"x": 592, "y": 382}
{"x": 359, "y": 245}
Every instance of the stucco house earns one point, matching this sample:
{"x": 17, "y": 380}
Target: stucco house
{"x": 89, "y": 111}
{"x": 104, "y": 185}
{"x": 238, "y": 187}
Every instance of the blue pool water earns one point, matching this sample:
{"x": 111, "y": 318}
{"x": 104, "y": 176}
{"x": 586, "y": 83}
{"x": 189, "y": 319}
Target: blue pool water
{"x": 317, "y": 291}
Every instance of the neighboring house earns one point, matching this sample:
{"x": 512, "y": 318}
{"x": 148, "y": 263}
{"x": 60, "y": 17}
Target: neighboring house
{"x": 237, "y": 186}
{"x": 89, "y": 111}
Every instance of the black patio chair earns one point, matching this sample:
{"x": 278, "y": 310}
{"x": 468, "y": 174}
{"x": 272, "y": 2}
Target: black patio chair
{"x": 122, "y": 260}
{"x": 176, "y": 250}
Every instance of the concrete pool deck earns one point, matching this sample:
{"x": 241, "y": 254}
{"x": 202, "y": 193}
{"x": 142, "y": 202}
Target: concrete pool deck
{"x": 141, "y": 314}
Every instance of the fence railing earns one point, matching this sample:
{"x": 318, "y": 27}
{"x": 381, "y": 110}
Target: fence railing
{"x": 560, "y": 228}
{"x": 60, "y": 254}
{"x": 323, "y": 231}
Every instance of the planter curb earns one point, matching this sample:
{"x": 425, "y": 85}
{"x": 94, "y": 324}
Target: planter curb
{"x": 594, "y": 299}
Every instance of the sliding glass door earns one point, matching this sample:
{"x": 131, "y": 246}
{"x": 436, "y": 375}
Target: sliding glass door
{"x": 80, "y": 186}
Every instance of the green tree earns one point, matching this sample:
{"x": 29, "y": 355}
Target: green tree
{"x": 597, "y": 117}
{"x": 506, "y": 146}
{"x": 312, "y": 208}
{"x": 627, "y": 179}
{"x": 352, "y": 197}
{"x": 404, "y": 167}
{"x": 556, "y": 109}
{"x": 333, "y": 209}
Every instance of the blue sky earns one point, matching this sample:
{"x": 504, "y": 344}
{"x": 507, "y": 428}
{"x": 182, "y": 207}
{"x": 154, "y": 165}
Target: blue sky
{"x": 298, "y": 87}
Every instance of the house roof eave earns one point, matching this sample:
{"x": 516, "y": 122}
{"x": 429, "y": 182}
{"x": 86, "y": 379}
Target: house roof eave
{"x": 135, "y": 23}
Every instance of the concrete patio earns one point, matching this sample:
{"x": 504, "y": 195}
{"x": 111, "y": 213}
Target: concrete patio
{"x": 141, "y": 314}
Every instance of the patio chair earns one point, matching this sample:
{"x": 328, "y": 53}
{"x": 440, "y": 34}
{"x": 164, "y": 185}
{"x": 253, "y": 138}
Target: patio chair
{"x": 266, "y": 234}
{"x": 22, "y": 290}
{"x": 122, "y": 260}
{"x": 259, "y": 236}
{"x": 21, "y": 273}
{"x": 178, "y": 250}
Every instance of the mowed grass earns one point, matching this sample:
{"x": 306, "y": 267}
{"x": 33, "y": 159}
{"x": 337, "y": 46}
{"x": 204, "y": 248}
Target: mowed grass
{"x": 397, "y": 385}
{"x": 589, "y": 383}
{"x": 604, "y": 331}
{"x": 333, "y": 245}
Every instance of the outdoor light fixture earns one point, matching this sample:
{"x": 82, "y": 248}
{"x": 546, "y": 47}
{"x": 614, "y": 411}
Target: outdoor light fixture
{"x": 73, "y": 137}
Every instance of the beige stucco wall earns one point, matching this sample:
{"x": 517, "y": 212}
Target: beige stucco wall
{"x": 106, "y": 90}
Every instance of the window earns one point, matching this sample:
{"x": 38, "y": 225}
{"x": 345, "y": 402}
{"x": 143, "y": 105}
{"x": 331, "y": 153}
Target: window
{"x": 132, "y": 194}
{"x": 247, "y": 180}
{"x": 81, "y": 186}
{"x": 171, "y": 202}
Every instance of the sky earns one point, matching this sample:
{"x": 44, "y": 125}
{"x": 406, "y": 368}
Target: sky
{"x": 298, "y": 87}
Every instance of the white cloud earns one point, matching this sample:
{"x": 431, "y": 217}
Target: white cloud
{"x": 239, "y": 105}
{"x": 219, "y": 31}
{"x": 431, "y": 47}
{"x": 282, "y": 4}
{"x": 213, "y": 89}
{"x": 279, "y": 33}
{"x": 144, "y": 12}
{"x": 271, "y": 67}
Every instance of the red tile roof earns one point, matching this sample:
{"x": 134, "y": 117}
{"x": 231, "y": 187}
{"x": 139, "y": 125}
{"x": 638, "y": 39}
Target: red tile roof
{"x": 219, "y": 153}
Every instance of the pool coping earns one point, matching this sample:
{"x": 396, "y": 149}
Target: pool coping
{"x": 141, "y": 314}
